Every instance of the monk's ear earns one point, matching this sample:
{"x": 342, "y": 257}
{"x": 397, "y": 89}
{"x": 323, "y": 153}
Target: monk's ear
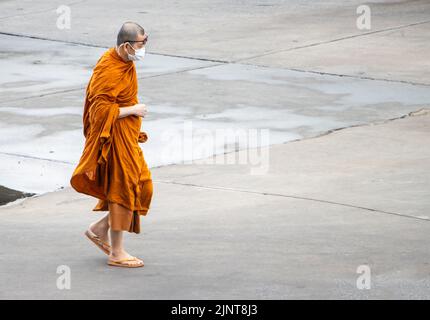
{"x": 122, "y": 45}
{"x": 125, "y": 43}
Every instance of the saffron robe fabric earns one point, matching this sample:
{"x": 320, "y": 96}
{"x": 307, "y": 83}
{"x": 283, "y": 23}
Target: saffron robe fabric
{"x": 112, "y": 166}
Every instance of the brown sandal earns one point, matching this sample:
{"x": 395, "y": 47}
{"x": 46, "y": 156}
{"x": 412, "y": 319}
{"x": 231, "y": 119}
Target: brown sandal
{"x": 123, "y": 263}
{"x": 95, "y": 238}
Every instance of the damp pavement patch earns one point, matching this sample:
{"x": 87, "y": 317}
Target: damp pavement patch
{"x": 190, "y": 102}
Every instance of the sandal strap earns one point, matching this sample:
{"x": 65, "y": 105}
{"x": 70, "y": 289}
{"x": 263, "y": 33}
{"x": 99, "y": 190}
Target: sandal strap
{"x": 125, "y": 260}
{"x": 97, "y": 238}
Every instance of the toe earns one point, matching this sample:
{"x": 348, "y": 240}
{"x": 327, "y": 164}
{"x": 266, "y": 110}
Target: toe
{"x": 137, "y": 261}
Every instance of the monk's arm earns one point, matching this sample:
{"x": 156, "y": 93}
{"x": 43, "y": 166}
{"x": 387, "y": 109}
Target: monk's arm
{"x": 136, "y": 110}
{"x": 126, "y": 111}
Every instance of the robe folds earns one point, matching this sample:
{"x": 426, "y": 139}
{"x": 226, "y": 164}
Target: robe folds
{"x": 112, "y": 167}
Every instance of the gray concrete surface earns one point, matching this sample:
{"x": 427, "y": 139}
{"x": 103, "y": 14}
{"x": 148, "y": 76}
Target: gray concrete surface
{"x": 217, "y": 232}
{"x": 330, "y": 201}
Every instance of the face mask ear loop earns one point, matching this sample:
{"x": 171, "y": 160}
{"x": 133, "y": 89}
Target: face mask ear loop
{"x": 124, "y": 46}
{"x": 125, "y": 49}
{"x": 133, "y": 48}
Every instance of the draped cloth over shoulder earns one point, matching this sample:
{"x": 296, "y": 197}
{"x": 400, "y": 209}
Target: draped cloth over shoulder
{"x": 112, "y": 167}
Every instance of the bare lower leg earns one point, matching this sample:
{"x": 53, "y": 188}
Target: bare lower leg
{"x": 101, "y": 228}
{"x": 117, "y": 244}
{"x": 118, "y": 252}
{"x": 119, "y": 219}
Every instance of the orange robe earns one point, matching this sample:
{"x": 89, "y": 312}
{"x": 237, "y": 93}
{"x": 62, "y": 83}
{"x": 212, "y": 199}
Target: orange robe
{"x": 112, "y": 167}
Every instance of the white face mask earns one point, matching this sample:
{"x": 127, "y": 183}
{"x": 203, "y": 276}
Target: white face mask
{"x": 138, "y": 55}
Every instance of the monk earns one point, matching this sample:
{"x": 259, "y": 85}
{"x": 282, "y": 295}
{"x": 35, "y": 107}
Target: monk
{"x": 112, "y": 167}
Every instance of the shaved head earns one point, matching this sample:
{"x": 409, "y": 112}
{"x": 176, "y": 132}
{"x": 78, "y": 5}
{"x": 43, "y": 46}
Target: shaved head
{"x": 129, "y": 32}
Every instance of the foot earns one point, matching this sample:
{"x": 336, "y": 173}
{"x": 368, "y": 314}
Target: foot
{"x": 123, "y": 255}
{"x": 100, "y": 230}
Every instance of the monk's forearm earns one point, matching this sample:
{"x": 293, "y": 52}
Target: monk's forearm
{"x": 136, "y": 110}
{"x": 126, "y": 111}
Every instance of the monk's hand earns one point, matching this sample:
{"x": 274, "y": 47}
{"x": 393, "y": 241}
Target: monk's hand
{"x": 140, "y": 110}
{"x": 143, "y": 137}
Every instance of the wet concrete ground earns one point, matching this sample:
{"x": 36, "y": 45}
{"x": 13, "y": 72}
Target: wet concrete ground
{"x": 43, "y": 93}
{"x": 298, "y": 68}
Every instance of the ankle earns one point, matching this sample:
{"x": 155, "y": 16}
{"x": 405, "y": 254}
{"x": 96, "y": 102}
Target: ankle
{"x": 117, "y": 252}
{"x": 99, "y": 226}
